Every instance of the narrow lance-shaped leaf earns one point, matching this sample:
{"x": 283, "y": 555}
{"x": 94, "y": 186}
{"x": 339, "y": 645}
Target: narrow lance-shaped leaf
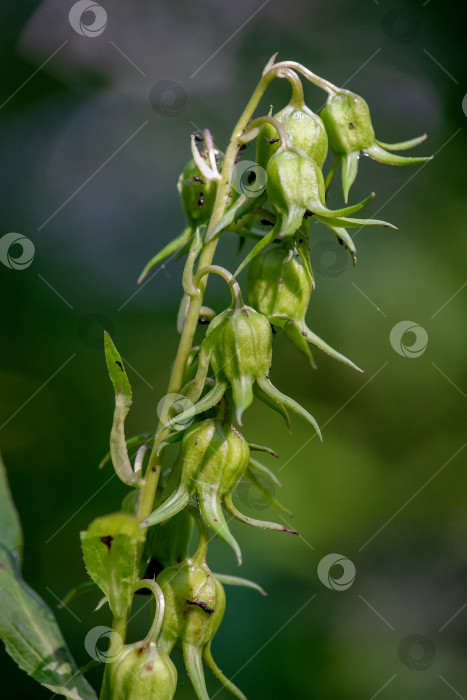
{"x": 11, "y": 536}
{"x": 118, "y": 447}
{"x": 170, "y": 248}
{"x": 111, "y": 547}
{"x": 32, "y": 636}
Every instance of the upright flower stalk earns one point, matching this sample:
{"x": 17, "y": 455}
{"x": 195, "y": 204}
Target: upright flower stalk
{"x": 146, "y": 544}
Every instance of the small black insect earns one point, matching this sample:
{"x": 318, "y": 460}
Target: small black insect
{"x": 351, "y": 125}
{"x": 199, "y": 137}
{"x": 271, "y": 141}
{"x": 201, "y": 200}
{"x": 199, "y": 179}
{"x": 119, "y": 364}
{"x": 203, "y": 606}
{"x": 307, "y": 214}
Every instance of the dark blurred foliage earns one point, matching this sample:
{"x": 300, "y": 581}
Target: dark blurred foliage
{"x": 387, "y": 488}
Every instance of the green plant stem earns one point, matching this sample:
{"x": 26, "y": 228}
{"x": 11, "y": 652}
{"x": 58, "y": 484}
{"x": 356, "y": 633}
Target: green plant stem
{"x": 148, "y": 490}
{"x": 149, "y": 486}
{"x": 117, "y": 638}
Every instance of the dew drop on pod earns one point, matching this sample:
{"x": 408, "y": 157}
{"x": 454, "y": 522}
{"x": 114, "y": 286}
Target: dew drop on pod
{"x": 295, "y": 186}
{"x": 347, "y": 119}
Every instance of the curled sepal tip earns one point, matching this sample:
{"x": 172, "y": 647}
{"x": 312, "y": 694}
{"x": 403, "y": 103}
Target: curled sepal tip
{"x": 347, "y": 120}
{"x": 263, "y": 524}
{"x": 380, "y": 154}
{"x": 266, "y": 385}
{"x": 228, "y": 580}
{"x": 250, "y": 475}
{"x": 276, "y": 406}
{"x": 315, "y": 340}
{"x": 212, "y": 512}
{"x": 211, "y": 664}
{"x": 122, "y": 388}
{"x": 193, "y": 657}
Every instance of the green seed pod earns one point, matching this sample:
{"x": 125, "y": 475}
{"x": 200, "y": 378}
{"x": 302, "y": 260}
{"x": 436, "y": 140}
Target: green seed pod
{"x": 347, "y": 120}
{"x": 197, "y": 193}
{"x": 139, "y": 672}
{"x": 295, "y": 185}
{"x": 305, "y": 129}
{"x": 194, "y": 608}
{"x": 294, "y": 180}
{"x": 280, "y": 287}
{"x": 241, "y": 353}
{"x": 194, "y": 605}
{"x": 348, "y": 123}
{"x": 214, "y": 457}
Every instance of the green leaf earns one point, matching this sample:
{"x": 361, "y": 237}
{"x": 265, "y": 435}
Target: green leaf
{"x": 111, "y": 548}
{"x": 118, "y": 446}
{"x": 32, "y": 636}
{"x": 11, "y": 536}
{"x": 170, "y": 248}
{"x": 117, "y": 371}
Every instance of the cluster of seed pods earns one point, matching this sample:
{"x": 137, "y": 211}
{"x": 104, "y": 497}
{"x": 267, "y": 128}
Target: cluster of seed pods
{"x": 230, "y": 368}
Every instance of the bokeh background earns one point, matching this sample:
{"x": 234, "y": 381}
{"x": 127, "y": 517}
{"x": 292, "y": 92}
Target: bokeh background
{"x": 92, "y": 143}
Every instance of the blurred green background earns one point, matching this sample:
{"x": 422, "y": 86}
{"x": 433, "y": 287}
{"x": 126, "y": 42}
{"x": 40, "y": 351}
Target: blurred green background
{"x": 91, "y": 148}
